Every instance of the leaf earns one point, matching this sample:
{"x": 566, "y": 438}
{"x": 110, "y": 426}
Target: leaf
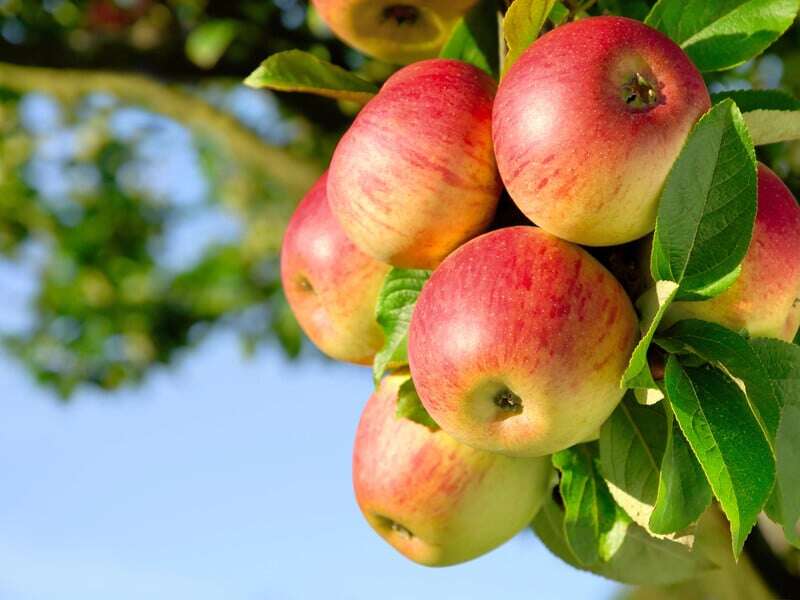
{"x": 782, "y": 363}
{"x": 298, "y": 71}
{"x": 594, "y": 524}
{"x": 771, "y": 115}
{"x": 727, "y": 440}
{"x": 409, "y": 406}
{"x": 206, "y": 44}
{"x": 640, "y": 560}
{"x": 632, "y": 442}
{"x": 522, "y": 24}
{"x": 708, "y": 206}
{"x": 396, "y": 302}
{"x": 638, "y": 375}
{"x": 734, "y": 353}
{"x": 475, "y": 39}
{"x": 724, "y": 33}
{"x": 558, "y": 14}
{"x": 683, "y": 490}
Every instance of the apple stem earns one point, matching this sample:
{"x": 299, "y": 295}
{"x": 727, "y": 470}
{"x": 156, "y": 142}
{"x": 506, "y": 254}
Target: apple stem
{"x": 508, "y": 401}
{"x": 402, "y": 14}
{"x": 639, "y": 93}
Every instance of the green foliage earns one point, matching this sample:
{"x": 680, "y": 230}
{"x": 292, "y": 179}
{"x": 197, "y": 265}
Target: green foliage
{"x": 725, "y": 435}
{"x": 725, "y": 33}
{"x": 522, "y": 24}
{"x": 594, "y": 524}
{"x": 640, "y": 560}
{"x": 771, "y": 115}
{"x": 396, "y": 302}
{"x": 683, "y": 490}
{"x": 637, "y": 374}
{"x": 708, "y": 206}
{"x": 206, "y": 44}
{"x": 475, "y": 38}
{"x": 297, "y": 71}
{"x": 409, "y": 406}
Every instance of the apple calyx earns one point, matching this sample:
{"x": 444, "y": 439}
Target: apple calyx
{"x": 508, "y": 402}
{"x": 402, "y": 14}
{"x": 639, "y": 94}
{"x": 304, "y": 284}
{"x": 395, "y": 527}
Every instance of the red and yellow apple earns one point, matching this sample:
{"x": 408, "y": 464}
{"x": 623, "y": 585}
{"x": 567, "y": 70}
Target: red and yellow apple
{"x": 765, "y": 300}
{"x": 434, "y": 499}
{"x": 398, "y": 31}
{"x": 518, "y": 342}
{"x": 331, "y": 286}
{"x": 415, "y": 176}
{"x": 587, "y": 124}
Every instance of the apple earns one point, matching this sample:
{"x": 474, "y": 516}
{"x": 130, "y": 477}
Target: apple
{"x": 331, "y": 286}
{"x": 435, "y": 500}
{"x": 765, "y": 300}
{"x": 587, "y": 124}
{"x": 395, "y": 31}
{"x": 518, "y": 343}
{"x": 415, "y": 176}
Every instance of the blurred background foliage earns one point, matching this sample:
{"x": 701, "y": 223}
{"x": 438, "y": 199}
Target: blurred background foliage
{"x": 144, "y": 190}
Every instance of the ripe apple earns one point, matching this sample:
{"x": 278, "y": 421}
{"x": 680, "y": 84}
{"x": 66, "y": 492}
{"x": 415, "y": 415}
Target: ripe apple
{"x": 331, "y": 286}
{"x": 518, "y": 343}
{"x": 765, "y": 299}
{"x": 401, "y": 31}
{"x": 587, "y": 124}
{"x": 414, "y": 176}
{"x": 435, "y": 500}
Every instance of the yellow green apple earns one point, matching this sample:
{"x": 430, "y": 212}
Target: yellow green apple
{"x": 398, "y": 31}
{"x": 518, "y": 342}
{"x": 435, "y": 500}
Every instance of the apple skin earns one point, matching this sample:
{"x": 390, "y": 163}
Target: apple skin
{"x": 435, "y": 500}
{"x": 331, "y": 286}
{"x": 520, "y": 311}
{"x": 397, "y": 31}
{"x": 581, "y": 162}
{"x": 415, "y": 176}
{"x": 765, "y": 299}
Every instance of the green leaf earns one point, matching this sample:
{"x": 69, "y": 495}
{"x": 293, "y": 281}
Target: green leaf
{"x": 782, "y": 363}
{"x": 771, "y": 116}
{"x": 640, "y": 560}
{"x": 716, "y": 419}
{"x": 633, "y": 9}
{"x": 723, "y": 33}
{"x": 206, "y": 44}
{"x": 632, "y": 442}
{"x": 475, "y": 39}
{"x": 522, "y": 24}
{"x": 708, "y": 206}
{"x": 558, "y": 14}
{"x": 734, "y": 353}
{"x": 297, "y": 71}
{"x": 683, "y": 490}
{"x": 594, "y": 524}
{"x": 653, "y": 307}
{"x": 409, "y": 406}
{"x": 396, "y": 302}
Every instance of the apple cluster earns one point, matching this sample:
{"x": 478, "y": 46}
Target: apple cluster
{"x": 519, "y": 339}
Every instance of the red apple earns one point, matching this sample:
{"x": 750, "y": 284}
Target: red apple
{"x": 396, "y": 31}
{"x": 765, "y": 300}
{"x": 587, "y": 124}
{"x": 415, "y": 176}
{"x": 331, "y": 286}
{"x": 435, "y": 500}
{"x": 518, "y": 343}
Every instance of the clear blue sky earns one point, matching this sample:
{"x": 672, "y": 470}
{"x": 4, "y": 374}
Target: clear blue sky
{"x": 223, "y": 478}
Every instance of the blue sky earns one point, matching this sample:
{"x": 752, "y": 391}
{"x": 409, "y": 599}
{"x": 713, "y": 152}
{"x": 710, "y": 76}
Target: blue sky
{"x": 225, "y": 477}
